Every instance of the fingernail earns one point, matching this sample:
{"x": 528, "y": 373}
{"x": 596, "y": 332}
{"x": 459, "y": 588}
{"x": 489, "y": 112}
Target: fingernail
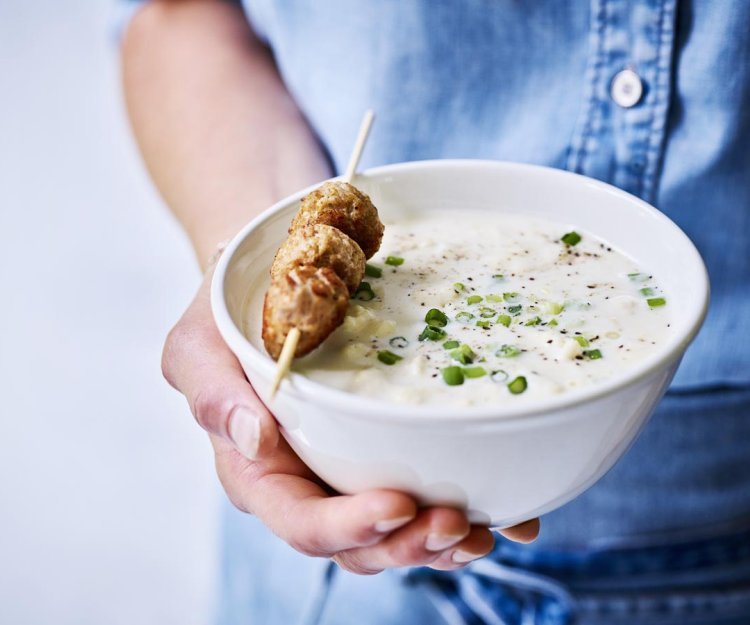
{"x": 244, "y": 430}
{"x": 438, "y": 542}
{"x": 388, "y": 525}
{"x": 462, "y": 557}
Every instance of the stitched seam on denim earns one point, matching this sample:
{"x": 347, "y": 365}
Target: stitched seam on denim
{"x": 582, "y": 132}
{"x": 660, "y": 104}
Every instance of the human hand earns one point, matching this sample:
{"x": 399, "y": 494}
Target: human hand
{"x": 260, "y": 473}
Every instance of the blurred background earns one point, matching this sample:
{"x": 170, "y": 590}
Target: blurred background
{"x": 108, "y": 500}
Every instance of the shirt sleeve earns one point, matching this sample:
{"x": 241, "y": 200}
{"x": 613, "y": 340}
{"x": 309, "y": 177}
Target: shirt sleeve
{"x": 126, "y": 9}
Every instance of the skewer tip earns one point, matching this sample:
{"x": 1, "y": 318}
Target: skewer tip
{"x": 285, "y": 360}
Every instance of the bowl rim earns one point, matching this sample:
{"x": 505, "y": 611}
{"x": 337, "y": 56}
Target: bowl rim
{"x": 353, "y": 406}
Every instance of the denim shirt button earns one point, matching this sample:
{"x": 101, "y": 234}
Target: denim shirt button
{"x": 627, "y": 88}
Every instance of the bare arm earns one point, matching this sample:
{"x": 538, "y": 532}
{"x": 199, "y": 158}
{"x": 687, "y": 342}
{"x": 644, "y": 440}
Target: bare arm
{"x": 220, "y": 135}
{"x": 223, "y": 140}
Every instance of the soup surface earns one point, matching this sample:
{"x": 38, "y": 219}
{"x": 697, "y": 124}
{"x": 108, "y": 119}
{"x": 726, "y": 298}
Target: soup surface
{"x": 485, "y": 307}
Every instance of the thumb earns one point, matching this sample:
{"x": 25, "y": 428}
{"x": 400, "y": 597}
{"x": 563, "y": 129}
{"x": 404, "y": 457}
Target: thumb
{"x": 197, "y": 362}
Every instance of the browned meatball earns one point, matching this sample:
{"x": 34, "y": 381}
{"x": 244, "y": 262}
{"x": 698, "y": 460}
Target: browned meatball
{"x": 345, "y": 207}
{"x": 312, "y": 299}
{"x": 321, "y": 246}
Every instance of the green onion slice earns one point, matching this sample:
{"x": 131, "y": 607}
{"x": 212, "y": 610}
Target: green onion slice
{"x": 498, "y": 276}
{"x": 451, "y": 344}
{"x": 399, "y": 342}
{"x": 638, "y": 277}
{"x": 493, "y": 298}
{"x": 364, "y": 292}
{"x": 464, "y": 354}
{"x": 534, "y": 321}
{"x": 499, "y": 376}
{"x": 483, "y": 323}
{"x": 582, "y": 341}
{"x": 510, "y": 297}
{"x": 388, "y": 358}
{"x": 592, "y": 354}
{"x": 515, "y": 310}
{"x": 459, "y": 286}
{"x": 373, "y": 271}
{"x": 552, "y": 322}
{"x": 431, "y": 333}
{"x": 486, "y": 312}
{"x": 473, "y": 299}
{"x": 474, "y": 372}
{"x": 655, "y": 302}
{"x": 504, "y": 319}
{"x": 464, "y": 317}
{"x": 518, "y": 385}
{"x": 507, "y": 351}
{"x": 436, "y": 318}
{"x": 394, "y": 261}
{"x": 647, "y": 290}
{"x": 571, "y": 238}
{"x": 453, "y": 376}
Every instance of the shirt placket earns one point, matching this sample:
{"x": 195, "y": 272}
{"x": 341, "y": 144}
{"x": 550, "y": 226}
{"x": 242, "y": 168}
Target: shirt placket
{"x": 621, "y": 131}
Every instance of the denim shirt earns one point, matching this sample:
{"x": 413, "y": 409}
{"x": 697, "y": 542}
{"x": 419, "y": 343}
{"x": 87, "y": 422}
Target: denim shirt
{"x": 533, "y": 82}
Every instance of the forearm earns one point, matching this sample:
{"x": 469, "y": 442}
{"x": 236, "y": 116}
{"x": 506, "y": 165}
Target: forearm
{"x": 219, "y": 133}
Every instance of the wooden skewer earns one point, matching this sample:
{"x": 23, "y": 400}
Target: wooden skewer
{"x": 290, "y": 343}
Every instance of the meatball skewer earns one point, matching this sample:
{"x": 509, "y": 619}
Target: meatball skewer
{"x": 317, "y": 286}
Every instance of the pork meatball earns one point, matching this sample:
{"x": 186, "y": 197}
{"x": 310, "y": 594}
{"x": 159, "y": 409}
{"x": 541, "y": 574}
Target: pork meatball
{"x": 345, "y": 207}
{"x": 312, "y": 299}
{"x": 321, "y": 246}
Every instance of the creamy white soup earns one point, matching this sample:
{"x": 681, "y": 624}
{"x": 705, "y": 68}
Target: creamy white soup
{"x": 475, "y": 308}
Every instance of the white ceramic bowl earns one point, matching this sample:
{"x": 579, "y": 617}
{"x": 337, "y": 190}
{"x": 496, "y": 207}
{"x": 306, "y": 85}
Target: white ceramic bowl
{"x": 504, "y": 464}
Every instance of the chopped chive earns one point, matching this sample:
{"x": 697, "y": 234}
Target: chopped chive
{"x": 638, "y": 277}
{"x": 592, "y": 354}
{"x": 464, "y": 354}
{"x": 582, "y": 341}
{"x": 498, "y": 276}
{"x": 364, "y": 292}
{"x": 571, "y": 238}
{"x": 493, "y": 298}
{"x": 504, "y": 319}
{"x": 436, "y": 318}
{"x": 388, "y": 358}
{"x": 553, "y": 308}
{"x": 534, "y": 321}
{"x": 483, "y": 323}
{"x": 498, "y": 376}
{"x": 552, "y": 322}
{"x": 464, "y": 317}
{"x": 515, "y": 310}
{"x": 486, "y": 312}
{"x": 394, "y": 261}
{"x": 373, "y": 271}
{"x": 458, "y": 287}
{"x": 474, "y": 372}
{"x": 399, "y": 342}
{"x": 518, "y": 385}
{"x": 453, "y": 376}
{"x": 432, "y": 334}
{"x": 647, "y": 290}
{"x": 473, "y": 299}
{"x": 507, "y": 351}
{"x": 510, "y": 297}
{"x": 451, "y": 344}
{"x": 655, "y": 302}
